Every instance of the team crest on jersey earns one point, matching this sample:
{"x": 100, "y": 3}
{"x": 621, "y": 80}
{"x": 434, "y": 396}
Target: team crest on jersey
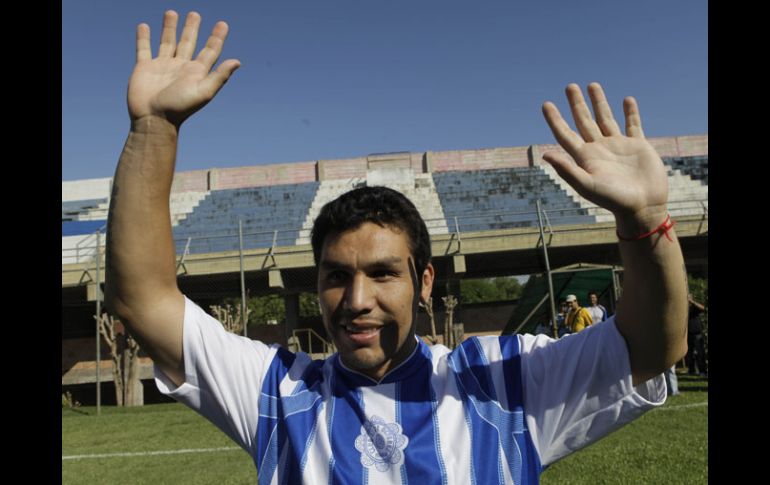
{"x": 381, "y": 444}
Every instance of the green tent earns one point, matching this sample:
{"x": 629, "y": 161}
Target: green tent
{"x": 578, "y": 279}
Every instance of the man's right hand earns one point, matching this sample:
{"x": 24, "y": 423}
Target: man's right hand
{"x": 173, "y": 86}
{"x": 141, "y": 285}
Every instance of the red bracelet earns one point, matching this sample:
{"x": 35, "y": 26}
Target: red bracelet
{"x": 665, "y": 227}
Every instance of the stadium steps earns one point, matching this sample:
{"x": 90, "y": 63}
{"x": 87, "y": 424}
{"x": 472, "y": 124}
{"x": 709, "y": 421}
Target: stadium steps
{"x": 504, "y": 198}
{"x": 685, "y": 195}
{"x": 213, "y": 223}
{"x": 184, "y": 203}
{"x": 419, "y": 188}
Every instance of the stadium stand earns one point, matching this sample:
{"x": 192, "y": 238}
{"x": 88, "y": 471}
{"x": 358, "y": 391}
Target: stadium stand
{"x": 213, "y": 224}
{"x": 482, "y": 189}
{"x": 488, "y": 193}
{"x": 504, "y": 198}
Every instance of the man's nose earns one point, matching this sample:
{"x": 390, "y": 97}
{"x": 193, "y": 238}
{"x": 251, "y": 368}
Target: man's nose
{"x": 359, "y": 296}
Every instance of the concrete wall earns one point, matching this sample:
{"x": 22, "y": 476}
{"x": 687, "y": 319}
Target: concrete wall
{"x": 482, "y": 159}
{"x": 191, "y": 181}
{"x": 262, "y": 175}
{"x": 86, "y": 189}
{"x": 344, "y": 168}
{"x": 670, "y": 146}
{"x": 347, "y": 168}
{"x": 76, "y": 350}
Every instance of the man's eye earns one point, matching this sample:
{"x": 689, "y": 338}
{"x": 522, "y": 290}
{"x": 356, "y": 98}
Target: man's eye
{"x": 336, "y": 276}
{"x": 383, "y": 274}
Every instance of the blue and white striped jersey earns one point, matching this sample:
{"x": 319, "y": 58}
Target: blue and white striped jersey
{"x": 494, "y": 410}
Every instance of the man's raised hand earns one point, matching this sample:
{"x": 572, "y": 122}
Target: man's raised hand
{"x": 622, "y": 173}
{"x": 173, "y": 85}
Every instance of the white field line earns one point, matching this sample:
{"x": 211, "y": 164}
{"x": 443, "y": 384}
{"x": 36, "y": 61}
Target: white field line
{"x": 683, "y": 406}
{"x": 231, "y": 448}
{"x": 149, "y": 453}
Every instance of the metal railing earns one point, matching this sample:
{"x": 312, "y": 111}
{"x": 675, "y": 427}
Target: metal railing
{"x": 327, "y": 348}
{"x": 85, "y": 250}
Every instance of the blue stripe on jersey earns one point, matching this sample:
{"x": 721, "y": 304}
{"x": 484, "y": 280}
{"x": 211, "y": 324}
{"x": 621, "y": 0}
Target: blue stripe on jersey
{"x": 483, "y": 421}
{"x": 271, "y": 430}
{"x": 480, "y": 366}
{"x": 417, "y": 422}
{"x": 330, "y": 420}
{"x": 331, "y": 471}
{"x": 509, "y": 349}
{"x": 529, "y": 461}
{"x": 344, "y": 428}
{"x": 436, "y": 439}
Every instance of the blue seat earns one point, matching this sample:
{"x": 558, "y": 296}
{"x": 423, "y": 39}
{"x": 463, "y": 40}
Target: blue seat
{"x": 261, "y": 210}
{"x": 503, "y": 198}
{"x": 696, "y": 167}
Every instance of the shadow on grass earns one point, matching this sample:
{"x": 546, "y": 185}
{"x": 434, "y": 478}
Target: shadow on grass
{"x": 76, "y": 410}
{"x": 688, "y": 383}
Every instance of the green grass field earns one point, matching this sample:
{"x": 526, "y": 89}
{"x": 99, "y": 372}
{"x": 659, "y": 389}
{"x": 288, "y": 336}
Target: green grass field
{"x": 668, "y": 445}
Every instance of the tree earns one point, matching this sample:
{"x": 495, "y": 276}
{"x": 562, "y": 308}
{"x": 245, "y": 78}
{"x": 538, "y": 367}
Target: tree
{"x": 125, "y": 359}
{"x": 450, "y": 302}
{"x": 490, "y": 289}
{"x": 428, "y": 307}
{"x": 308, "y": 305}
{"x": 230, "y": 317}
{"x": 266, "y": 309}
{"x": 260, "y": 310}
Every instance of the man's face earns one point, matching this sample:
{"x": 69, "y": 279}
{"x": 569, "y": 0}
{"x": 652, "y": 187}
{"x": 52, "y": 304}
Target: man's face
{"x": 572, "y": 305}
{"x": 368, "y": 291}
{"x": 594, "y": 299}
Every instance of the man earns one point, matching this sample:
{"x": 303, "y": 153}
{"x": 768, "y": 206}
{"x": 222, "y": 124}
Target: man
{"x": 578, "y": 317}
{"x": 598, "y": 312}
{"x": 696, "y": 347}
{"x": 387, "y": 408}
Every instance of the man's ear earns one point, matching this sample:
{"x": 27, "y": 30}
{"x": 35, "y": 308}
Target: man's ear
{"x": 427, "y": 283}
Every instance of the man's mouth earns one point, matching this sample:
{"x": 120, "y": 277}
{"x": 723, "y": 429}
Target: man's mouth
{"x": 361, "y": 330}
{"x": 361, "y": 334}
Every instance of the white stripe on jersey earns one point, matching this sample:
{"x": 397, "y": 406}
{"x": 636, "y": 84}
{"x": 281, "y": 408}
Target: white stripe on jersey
{"x": 380, "y": 401}
{"x": 454, "y": 437}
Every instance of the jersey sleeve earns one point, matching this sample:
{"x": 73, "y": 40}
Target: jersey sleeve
{"x": 223, "y": 375}
{"x": 579, "y": 388}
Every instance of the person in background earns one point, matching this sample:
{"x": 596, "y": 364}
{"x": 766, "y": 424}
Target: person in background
{"x": 597, "y": 311}
{"x": 578, "y": 317}
{"x": 696, "y": 342}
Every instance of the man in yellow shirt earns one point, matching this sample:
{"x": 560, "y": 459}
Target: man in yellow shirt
{"x": 578, "y": 317}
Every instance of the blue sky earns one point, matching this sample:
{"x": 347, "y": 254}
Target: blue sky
{"x": 336, "y": 79}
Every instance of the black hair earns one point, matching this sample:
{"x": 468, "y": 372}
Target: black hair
{"x": 380, "y": 205}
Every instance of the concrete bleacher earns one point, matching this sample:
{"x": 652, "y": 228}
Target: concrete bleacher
{"x": 504, "y": 198}
{"x": 696, "y": 167}
{"x": 84, "y": 210}
{"x": 687, "y": 195}
{"x": 183, "y": 203}
{"x": 213, "y": 224}
{"x": 82, "y": 218}
{"x": 492, "y": 188}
